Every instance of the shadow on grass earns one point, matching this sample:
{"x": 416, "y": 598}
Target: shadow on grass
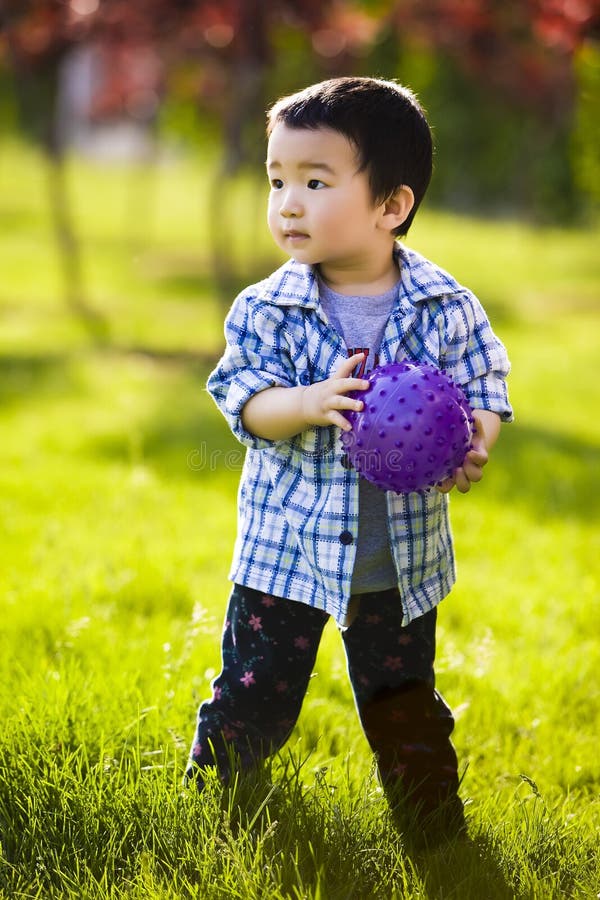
{"x": 194, "y": 275}
{"x": 464, "y": 870}
{"x": 196, "y": 358}
{"x": 183, "y": 435}
{"x": 548, "y": 471}
{"x": 551, "y": 472}
{"x": 22, "y": 376}
{"x": 317, "y": 843}
{"x": 16, "y": 218}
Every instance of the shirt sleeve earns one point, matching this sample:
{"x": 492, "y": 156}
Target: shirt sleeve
{"x": 475, "y": 358}
{"x": 256, "y": 357}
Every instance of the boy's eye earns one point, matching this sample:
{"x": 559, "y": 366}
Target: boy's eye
{"x": 276, "y": 183}
{"x": 315, "y": 184}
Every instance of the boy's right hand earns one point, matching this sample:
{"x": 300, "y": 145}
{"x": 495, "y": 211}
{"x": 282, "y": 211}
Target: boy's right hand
{"x": 323, "y": 400}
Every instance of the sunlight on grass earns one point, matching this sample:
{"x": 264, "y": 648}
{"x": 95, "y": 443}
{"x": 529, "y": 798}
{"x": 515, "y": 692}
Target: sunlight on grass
{"x": 118, "y": 501}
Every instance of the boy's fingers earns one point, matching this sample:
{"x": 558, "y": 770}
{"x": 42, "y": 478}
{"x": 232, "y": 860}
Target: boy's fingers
{"x": 463, "y": 484}
{"x": 340, "y": 420}
{"x": 473, "y": 472}
{"x": 477, "y": 457}
{"x": 341, "y": 401}
{"x": 445, "y": 486}
{"x": 354, "y": 384}
{"x": 344, "y": 375}
{"x": 347, "y": 367}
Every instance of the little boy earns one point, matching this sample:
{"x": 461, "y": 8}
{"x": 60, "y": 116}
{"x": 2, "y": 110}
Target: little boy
{"x": 349, "y": 161}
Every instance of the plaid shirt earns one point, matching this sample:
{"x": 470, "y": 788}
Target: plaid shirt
{"x": 298, "y": 505}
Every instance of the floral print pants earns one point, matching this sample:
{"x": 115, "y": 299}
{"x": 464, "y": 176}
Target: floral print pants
{"x": 268, "y": 651}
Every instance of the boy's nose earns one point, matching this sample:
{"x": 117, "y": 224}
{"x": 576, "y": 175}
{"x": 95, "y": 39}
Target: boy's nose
{"x": 290, "y": 207}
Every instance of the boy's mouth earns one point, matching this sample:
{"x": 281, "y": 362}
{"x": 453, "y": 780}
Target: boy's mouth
{"x": 295, "y": 235}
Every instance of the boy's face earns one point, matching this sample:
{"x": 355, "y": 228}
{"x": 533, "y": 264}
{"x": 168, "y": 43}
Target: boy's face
{"x": 320, "y": 205}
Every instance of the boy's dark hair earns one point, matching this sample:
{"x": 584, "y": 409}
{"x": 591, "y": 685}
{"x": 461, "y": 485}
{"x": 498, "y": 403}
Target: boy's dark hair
{"x": 383, "y": 120}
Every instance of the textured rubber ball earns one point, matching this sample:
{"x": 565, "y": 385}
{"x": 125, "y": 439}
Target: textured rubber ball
{"x": 415, "y": 429}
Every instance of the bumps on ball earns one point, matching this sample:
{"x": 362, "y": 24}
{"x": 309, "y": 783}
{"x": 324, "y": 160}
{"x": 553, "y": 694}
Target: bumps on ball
{"x": 413, "y": 431}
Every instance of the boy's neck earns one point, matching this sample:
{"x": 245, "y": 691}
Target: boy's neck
{"x": 376, "y": 278}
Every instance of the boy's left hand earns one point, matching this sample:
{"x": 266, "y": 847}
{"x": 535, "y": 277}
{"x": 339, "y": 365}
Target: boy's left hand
{"x": 477, "y": 457}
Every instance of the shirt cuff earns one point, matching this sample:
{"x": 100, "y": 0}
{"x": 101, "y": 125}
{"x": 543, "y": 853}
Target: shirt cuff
{"x": 489, "y": 393}
{"x": 241, "y": 389}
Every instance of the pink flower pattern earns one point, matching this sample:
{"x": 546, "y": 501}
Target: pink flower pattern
{"x": 384, "y": 647}
{"x": 229, "y": 733}
{"x": 393, "y": 662}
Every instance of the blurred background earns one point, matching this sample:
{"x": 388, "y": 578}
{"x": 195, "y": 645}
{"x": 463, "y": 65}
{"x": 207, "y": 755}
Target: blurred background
{"x": 132, "y": 209}
{"x": 140, "y": 122}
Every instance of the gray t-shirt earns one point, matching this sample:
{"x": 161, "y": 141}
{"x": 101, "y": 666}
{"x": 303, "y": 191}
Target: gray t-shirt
{"x": 361, "y": 322}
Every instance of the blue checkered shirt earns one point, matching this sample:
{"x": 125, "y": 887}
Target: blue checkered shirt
{"x": 298, "y": 505}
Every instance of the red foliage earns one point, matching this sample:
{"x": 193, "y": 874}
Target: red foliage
{"x": 521, "y": 49}
{"x": 563, "y": 24}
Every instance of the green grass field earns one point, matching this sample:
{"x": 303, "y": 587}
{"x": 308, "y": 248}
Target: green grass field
{"x": 117, "y": 514}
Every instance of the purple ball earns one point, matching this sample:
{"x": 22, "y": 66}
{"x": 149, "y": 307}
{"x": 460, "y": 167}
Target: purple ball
{"x": 414, "y": 430}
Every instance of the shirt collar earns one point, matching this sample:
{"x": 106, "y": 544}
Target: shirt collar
{"x": 296, "y": 284}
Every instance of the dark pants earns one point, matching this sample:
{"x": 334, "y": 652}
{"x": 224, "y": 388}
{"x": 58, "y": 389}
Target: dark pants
{"x": 269, "y": 649}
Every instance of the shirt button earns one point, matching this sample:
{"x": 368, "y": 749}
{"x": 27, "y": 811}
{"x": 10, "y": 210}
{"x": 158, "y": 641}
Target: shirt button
{"x": 346, "y": 537}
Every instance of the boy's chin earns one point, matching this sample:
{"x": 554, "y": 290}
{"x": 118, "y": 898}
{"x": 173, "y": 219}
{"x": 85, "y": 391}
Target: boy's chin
{"x": 306, "y": 259}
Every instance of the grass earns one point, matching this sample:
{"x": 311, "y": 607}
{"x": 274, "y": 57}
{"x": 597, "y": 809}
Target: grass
{"x": 117, "y": 509}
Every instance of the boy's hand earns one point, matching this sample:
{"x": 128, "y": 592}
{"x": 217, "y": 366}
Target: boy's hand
{"x": 323, "y": 400}
{"x": 487, "y": 426}
{"x": 279, "y": 413}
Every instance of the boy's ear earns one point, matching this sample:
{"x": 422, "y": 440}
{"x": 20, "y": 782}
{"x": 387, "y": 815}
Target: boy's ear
{"x": 397, "y": 207}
